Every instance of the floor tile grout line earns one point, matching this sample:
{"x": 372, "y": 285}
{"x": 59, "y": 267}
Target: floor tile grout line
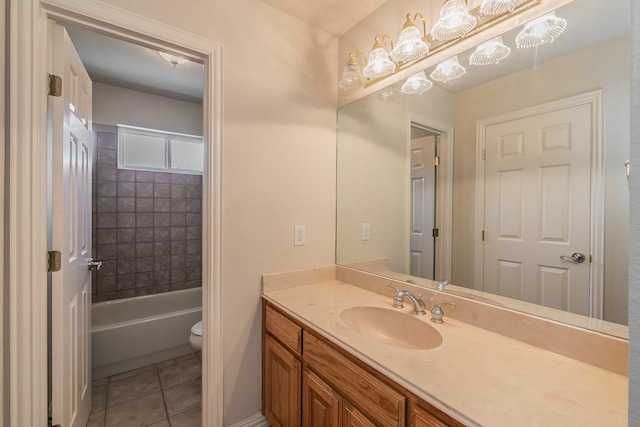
{"x": 109, "y": 382}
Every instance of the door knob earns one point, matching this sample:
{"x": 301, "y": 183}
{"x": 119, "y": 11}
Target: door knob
{"x": 94, "y": 265}
{"x": 575, "y": 257}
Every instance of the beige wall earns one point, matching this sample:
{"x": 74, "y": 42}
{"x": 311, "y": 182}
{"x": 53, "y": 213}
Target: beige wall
{"x": 561, "y": 78}
{"x": 279, "y": 90}
{"x": 113, "y": 105}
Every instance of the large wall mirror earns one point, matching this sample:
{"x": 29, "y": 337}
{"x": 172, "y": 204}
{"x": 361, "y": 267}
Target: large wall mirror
{"x": 509, "y": 181}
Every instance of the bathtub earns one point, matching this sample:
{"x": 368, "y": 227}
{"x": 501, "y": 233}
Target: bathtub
{"x": 134, "y": 332}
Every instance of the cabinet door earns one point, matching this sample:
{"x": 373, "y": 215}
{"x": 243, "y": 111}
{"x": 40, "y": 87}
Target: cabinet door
{"x": 351, "y": 417}
{"x": 320, "y": 404}
{"x": 418, "y": 417}
{"x": 282, "y": 372}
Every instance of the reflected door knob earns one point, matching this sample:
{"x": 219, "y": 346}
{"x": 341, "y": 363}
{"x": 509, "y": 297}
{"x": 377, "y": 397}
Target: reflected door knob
{"x": 576, "y": 257}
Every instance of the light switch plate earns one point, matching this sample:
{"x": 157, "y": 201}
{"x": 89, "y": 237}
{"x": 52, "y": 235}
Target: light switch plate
{"x": 366, "y": 231}
{"x": 299, "y": 235}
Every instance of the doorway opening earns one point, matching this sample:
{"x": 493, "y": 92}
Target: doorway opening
{"x": 430, "y": 196}
{"x": 123, "y": 26}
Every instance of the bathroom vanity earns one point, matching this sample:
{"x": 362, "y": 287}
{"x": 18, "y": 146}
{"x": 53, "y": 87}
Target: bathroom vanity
{"x": 324, "y": 364}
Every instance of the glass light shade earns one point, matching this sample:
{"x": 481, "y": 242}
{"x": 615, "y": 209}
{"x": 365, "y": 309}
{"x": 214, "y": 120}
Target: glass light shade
{"x": 541, "y": 31}
{"x": 379, "y": 64}
{"x": 496, "y": 7}
{"x": 352, "y": 78}
{"x": 455, "y": 21}
{"x": 448, "y": 70}
{"x": 410, "y": 46}
{"x": 489, "y": 53}
{"x": 172, "y": 59}
{"x": 417, "y": 84}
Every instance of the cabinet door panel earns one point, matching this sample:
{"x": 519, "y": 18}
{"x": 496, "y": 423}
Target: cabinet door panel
{"x": 382, "y": 404}
{"x": 320, "y": 404}
{"x": 282, "y": 382}
{"x": 351, "y": 417}
{"x": 418, "y": 417}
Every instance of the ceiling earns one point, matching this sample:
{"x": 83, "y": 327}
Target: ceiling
{"x": 114, "y": 62}
{"x": 334, "y": 16}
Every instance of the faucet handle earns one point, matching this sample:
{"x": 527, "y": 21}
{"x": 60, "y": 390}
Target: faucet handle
{"x": 436, "y": 312}
{"x": 397, "y": 297}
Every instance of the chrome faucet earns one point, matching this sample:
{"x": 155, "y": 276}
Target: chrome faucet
{"x": 441, "y": 285}
{"x": 436, "y": 312}
{"x": 398, "y": 300}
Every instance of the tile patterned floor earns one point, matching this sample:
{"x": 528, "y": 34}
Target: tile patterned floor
{"x": 167, "y": 394}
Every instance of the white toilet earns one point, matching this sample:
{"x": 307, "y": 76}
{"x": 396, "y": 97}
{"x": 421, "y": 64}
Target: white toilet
{"x": 195, "y": 339}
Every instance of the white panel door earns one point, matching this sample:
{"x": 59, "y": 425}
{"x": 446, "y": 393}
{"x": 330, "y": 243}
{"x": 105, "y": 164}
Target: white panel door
{"x": 423, "y": 199}
{"x": 537, "y": 208}
{"x": 71, "y": 235}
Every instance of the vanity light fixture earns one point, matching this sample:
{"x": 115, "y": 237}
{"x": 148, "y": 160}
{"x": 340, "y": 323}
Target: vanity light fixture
{"x": 352, "y": 77}
{"x": 417, "y": 84}
{"x": 379, "y": 64}
{"x": 411, "y": 46}
{"x": 496, "y": 7}
{"x": 455, "y": 21}
{"x": 541, "y": 31}
{"x": 490, "y": 52}
{"x": 448, "y": 70}
{"x": 173, "y": 60}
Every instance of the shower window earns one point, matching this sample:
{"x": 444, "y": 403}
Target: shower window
{"x": 159, "y": 151}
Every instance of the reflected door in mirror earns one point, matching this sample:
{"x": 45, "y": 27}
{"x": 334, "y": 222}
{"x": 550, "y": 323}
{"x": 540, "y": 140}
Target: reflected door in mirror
{"x": 537, "y": 208}
{"x": 423, "y": 201}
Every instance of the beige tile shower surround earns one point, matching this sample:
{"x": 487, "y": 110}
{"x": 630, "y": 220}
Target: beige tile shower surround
{"x": 495, "y": 366}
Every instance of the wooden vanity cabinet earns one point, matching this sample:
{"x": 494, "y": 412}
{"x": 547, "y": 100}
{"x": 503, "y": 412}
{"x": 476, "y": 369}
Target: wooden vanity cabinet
{"x": 317, "y": 384}
{"x": 323, "y": 407}
{"x": 281, "y": 369}
{"x": 281, "y": 385}
{"x": 320, "y": 404}
{"x": 419, "y": 417}
{"x": 351, "y": 417}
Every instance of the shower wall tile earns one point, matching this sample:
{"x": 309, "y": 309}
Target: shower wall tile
{"x": 146, "y": 227}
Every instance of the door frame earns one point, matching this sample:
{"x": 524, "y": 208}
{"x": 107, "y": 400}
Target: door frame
{"x": 444, "y": 192}
{"x": 27, "y": 189}
{"x": 595, "y": 101}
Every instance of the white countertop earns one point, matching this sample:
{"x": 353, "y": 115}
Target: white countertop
{"x": 476, "y": 376}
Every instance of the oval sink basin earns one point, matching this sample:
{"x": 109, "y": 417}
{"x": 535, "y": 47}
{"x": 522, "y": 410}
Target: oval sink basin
{"x": 393, "y": 328}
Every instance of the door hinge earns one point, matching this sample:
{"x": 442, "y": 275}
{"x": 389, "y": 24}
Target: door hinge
{"x": 54, "y": 261}
{"x": 436, "y": 161}
{"x": 484, "y": 154}
{"x": 483, "y": 235}
{"x": 55, "y": 85}
{"x": 435, "y": 232}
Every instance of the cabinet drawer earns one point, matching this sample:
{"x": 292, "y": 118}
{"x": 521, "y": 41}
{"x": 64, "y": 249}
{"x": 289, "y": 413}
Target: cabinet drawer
{"x": 375, "y": 399}
{"x": 287, "y": 332}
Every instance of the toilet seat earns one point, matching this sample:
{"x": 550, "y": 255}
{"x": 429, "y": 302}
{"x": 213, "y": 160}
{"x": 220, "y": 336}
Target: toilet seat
{"x": 197, "y": 329}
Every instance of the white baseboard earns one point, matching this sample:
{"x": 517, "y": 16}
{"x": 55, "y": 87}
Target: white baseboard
{"x": 257, "y": 420}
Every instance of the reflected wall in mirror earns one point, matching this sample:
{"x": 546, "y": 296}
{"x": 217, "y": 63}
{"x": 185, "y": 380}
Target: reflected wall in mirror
{"x": 523, "y": 105}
